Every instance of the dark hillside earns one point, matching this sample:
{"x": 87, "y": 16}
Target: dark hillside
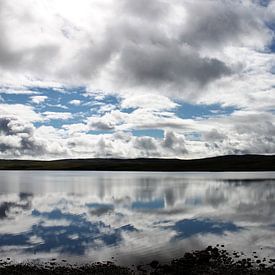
{"x": 222, "y": 163}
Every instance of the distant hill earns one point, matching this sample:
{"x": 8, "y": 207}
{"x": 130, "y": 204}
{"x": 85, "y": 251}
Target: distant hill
{"x": 222, "y": 163}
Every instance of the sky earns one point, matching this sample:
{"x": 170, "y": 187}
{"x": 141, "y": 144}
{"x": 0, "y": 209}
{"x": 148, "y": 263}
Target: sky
{"x": 136, "y": 78}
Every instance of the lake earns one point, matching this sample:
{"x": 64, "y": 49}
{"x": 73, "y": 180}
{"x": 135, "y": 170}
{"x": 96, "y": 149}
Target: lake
{"x": 133, "y": 217}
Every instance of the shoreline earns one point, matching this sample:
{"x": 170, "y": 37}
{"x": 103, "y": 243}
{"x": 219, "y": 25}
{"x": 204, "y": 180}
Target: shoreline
{"x": 212, "y": 260}
{"x": 230, "y": 163}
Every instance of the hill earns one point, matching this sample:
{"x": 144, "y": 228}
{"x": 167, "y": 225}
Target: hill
{"x": 222, "y": 163}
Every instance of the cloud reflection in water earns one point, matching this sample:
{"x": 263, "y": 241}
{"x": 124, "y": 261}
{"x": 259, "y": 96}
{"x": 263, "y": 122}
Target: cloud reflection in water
{"x": 97, "y": 214}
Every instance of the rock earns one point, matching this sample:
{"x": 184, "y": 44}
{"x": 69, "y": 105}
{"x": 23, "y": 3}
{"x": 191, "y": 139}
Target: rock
{"x": 154, "y": 264}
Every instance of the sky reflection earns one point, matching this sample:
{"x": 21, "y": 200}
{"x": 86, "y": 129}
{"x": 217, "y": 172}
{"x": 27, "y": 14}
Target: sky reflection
{"x": 98, "y": 215}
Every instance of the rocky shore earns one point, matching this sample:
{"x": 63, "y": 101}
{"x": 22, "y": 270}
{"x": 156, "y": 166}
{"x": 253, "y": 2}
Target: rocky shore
{"x": 212, "y": 260}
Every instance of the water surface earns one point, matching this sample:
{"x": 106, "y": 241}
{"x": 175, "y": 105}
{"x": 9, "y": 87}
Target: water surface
{"x": 133, "y": 217}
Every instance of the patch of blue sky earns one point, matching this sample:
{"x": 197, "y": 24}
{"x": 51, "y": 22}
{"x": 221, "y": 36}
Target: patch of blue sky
{"x": 128, "y": 110}
{"x": 15, "y": 98}
{"x": 64, "y": 101}
{"x": 101, "y": 132}
{"x": 195, "y": 111}
{"x": 190, "y": 227}
{"x": 58, "y": 123}
{"x": 271, "y": 47}
{"x": 92, "y": 105}
{"x": 264, "y": 3}
{"x": 155, "y": 133}
{"x": 110, "y": 99}
{"x": 61, "y": 100}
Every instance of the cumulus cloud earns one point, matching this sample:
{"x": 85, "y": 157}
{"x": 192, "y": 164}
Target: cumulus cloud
{"x": 75, "y": 102}
{"x": 17, "y": 138}
{"x": 176, "y": 144}
{"x": 20, "y": 139}
{"x": 198, "y": 138}
{"x": 38, "y": 99}
{"x": 24, "y": 112}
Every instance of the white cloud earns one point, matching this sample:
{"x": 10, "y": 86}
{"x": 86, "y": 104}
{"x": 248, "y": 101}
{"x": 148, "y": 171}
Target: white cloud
{"x": 17, "y": 91}
{"x": 21, "y": 111}
{"x": 75, "y": 102}
{"x": 155, "y": 102}
{"x": 38, "y": 99}
{"x": 57, "y": 115}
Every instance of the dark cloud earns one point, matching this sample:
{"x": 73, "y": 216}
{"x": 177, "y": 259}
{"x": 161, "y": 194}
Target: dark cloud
{"x": 155, "y": 45}
{"x": 219, "y": 23}
{"x": 171, "y": 65}
{"x": 146, "y": 55}
{"x": 24, "y": 203}
{"x": 17, "y": 138}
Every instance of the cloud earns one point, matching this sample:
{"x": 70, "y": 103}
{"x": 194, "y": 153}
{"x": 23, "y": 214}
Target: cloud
{"x": 147, "y": 146}
{"x": 108, "y": 121}
{"x": 17, "y": 138}
{"x": 24, "y": 112}
{"x": 75, "y": 102}
{"x": 214, "y": 135}
{"x": 22, "y": 140}
{"x": 181, "y": 49}
{"x": 16, "y": 57}
{"x": 38, "y": 99}
{"x": 171, "y": 66}
{"x": 157, "y": 9}
{"x": 140, "y": 118}
{"x": 174, "y": 143}
{"x": 158, "y": 102}
{"x": 57, "y": 115}
{"x": 133, "y": 71}
{"x": 217, "y": 24}
{"x": 16, "y": 91}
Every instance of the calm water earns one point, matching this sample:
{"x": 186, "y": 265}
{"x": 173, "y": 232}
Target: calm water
{"x": 133, "y": 217}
